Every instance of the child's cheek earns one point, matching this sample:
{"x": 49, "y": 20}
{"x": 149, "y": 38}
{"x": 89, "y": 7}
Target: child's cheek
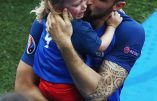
{"x": 74, "y": 12}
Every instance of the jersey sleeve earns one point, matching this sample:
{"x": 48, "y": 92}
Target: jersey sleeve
{"x": 33, "y": 39}
{"x": 130, "y": 38}
{"x": 86, "y": 39}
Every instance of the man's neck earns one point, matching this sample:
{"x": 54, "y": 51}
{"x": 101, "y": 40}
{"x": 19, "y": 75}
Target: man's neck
{"x": 99, "y": 22}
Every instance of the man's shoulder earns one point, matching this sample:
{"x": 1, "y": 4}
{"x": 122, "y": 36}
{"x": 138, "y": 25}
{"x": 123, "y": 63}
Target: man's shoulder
{"x": 37, "y": 26}
{"x": 129, "y": 25}
{"x": 129, "y": 22}
{"x": 130, "y": 32}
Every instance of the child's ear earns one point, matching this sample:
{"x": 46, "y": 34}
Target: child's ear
{"x": 119, "y": 5}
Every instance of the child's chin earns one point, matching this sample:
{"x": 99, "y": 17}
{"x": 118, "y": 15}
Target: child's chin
{"x": 79, "y": 17}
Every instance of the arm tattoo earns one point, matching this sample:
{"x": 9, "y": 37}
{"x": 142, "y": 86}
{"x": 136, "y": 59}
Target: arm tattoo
{"x": 112, "y": 77}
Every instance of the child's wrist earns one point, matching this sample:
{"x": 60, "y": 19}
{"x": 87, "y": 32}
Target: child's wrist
{"x": 111, "y": 26}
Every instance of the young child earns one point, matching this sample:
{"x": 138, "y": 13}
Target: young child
{"x": 56, "y": 83}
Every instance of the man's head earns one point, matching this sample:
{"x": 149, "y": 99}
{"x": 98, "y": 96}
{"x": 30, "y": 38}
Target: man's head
{"x": 98, "y": 9}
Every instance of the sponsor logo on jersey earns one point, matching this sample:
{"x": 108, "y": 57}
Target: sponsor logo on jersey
{"x": 100, "y": 54}
{"x": 128, "y": 50}
{"x": 31, "y": 45}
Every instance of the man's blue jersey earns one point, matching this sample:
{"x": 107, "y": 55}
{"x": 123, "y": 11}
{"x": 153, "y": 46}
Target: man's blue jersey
{"x": 33, "y": 40}
{"x": 129, "y": 40}
{"x": 130, "y": 37}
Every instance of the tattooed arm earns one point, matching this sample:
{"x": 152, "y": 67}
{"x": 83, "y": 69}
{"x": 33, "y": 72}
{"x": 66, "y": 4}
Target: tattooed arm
{"x": 112, "y": 77}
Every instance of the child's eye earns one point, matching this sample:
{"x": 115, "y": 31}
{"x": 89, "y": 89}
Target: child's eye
{"x": 75, "y": 5}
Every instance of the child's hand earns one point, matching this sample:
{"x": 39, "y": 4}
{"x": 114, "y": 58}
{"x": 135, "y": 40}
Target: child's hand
{"x": 114, "y": 20}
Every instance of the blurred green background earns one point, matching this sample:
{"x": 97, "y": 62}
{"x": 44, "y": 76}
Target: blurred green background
{"x": 15, "y": 24}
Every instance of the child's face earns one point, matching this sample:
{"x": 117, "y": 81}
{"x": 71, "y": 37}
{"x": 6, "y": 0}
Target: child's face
{"x": 76, "y": 7}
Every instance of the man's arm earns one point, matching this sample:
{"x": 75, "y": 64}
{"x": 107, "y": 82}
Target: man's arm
{"x": 87, "y": 80}
{"x": 112, "y": 77}
{"x": 25, "y": 81}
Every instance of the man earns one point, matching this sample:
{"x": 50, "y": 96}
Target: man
{"x": 129, "y": 39}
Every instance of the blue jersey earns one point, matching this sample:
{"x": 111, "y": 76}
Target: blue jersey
{"x": 130, "y": 37}
{"x": 33, "y": 39}
{"x": 48, "y": 62}
{"x": 86, "y": 41}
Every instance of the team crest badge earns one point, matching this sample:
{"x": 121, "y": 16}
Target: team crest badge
{"x": 31, "y": 45}
{"x": 128, "y": 50}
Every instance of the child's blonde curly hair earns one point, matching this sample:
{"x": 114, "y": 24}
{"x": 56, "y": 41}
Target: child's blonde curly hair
{"x": 42, "y": 10}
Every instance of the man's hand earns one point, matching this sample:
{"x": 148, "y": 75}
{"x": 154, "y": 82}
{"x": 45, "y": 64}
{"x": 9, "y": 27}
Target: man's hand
{"x": 60, "y": 28}
{"x": 112, "y": 77}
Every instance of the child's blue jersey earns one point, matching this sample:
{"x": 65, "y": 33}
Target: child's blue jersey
{"x": 48, "y": 62}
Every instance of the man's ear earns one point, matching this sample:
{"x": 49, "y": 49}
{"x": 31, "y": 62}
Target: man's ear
{"x": 119, "y": 5}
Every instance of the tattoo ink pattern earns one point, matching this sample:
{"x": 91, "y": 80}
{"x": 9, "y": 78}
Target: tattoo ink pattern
{"x": 112, "y": 77}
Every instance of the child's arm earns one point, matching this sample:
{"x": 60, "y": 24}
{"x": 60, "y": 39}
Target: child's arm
{"x": 114, "y": 20}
